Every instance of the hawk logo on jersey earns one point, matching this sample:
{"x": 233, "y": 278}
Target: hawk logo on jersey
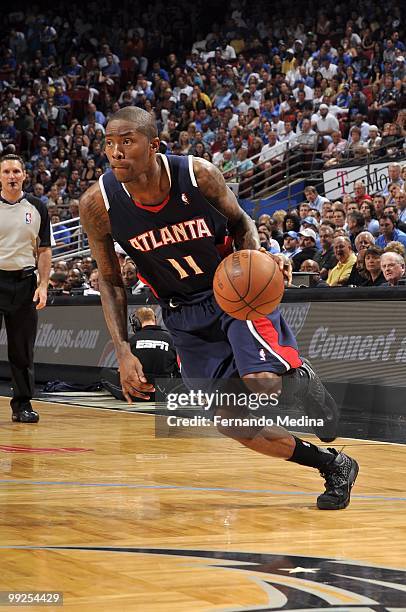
{"x": 184, "y": 198}
{"x": 28, "y": 217}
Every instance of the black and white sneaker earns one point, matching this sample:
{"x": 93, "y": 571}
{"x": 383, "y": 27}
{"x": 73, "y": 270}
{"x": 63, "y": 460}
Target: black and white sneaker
{"x": 340, "y": 476}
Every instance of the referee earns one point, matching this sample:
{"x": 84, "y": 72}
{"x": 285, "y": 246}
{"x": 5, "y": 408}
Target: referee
{"x": 25, "y": 244}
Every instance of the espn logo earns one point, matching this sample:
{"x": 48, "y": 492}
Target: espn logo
{"x": 152, "y": 344}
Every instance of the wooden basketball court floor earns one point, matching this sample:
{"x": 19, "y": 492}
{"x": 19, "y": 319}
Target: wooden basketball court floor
{"x": 95, "y": 506}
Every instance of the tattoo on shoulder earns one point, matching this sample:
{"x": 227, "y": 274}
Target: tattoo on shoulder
{"x": 209, "y": 178}
{"x": 93, "y": 214}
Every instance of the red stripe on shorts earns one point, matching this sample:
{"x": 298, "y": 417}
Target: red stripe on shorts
{"x": 269, "y": 333}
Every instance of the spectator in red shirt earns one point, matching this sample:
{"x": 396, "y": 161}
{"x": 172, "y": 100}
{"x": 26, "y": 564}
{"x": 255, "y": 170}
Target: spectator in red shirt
{"x": 360, "y": 193}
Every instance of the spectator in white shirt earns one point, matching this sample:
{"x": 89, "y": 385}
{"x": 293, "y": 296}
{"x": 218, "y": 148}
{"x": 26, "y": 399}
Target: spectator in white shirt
{"x": 278, "y": 126}
{"x": 307, "y": 138}
{"x": 327, "y": 123}
{"x": 301, "y": 86}
{"x": 273, "y": 151}
{"x": 374, "y": 140}
{"x": 362, "y": 125}
{"x": 247, "y": 102}
{"x": 328, "y": 70}
{"x": 289, "y": 137}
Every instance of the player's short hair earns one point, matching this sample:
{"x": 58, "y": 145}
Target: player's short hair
{"x": 12, "y": 157}
{"x": 145, "y": 314}
{"x": 142, "y": 120}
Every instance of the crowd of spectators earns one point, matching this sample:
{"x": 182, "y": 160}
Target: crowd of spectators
{"x": 357, "y": 241}
{"x": 240, "y": 85}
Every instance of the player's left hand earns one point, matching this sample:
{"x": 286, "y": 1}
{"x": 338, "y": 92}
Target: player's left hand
{"x": 279, "y": 260}
{"x": 40, "y": 296}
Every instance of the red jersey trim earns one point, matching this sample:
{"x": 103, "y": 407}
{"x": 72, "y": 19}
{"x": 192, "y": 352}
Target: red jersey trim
{"x": 142, "y": 279}
{"x": 154, "y": 208}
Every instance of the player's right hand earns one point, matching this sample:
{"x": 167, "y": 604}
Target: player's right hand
{"x": 280, "y": 261}
{"x": 132, "y": 378}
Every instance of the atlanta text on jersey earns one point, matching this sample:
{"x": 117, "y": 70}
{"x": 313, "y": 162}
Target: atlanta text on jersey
{"x": 193, "y": 229}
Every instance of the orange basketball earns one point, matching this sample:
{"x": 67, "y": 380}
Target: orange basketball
{"x": 248, "y": 285}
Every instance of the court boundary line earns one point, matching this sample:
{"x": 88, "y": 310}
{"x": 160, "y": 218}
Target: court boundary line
{"x": 117, "y": 485}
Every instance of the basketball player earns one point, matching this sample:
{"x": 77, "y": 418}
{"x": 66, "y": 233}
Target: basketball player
{"x": 170, "y": 214}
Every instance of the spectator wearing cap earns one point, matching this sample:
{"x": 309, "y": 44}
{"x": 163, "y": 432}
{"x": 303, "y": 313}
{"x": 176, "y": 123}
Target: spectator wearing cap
{"x": 343, "y": 97}
{"x": 346, "y": 258}
{"x": 374, "y": 140}
{"x": 277, "y": 124}
{"x": 393, "y": 268}
{"x": 289, "y": 62}
{"x": 388, "y": 231}
{"x": 308, "y": 239}
{"x": 315, "y": 200}
{"x": 310, "y": 222}
{"x": 326, "y": 124}
{"x": 290, "y": 244}
{"x": 325, "y": 257}
{"x": 399, "y": 72}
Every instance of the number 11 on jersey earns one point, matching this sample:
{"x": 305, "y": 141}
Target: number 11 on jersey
{"x": 190, "y": 262}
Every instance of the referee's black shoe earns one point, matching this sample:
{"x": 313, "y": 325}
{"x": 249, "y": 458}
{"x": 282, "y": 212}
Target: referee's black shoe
{"x": 340, "y": 476}
{"x": 28, "y": 415}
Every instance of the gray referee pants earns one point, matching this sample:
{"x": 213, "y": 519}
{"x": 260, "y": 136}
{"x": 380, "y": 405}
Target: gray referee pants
{"x": 20, "y": 318}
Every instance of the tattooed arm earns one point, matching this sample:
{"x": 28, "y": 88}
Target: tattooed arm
{"x": 213, "y": 187}
{"x": 242, "y": 228}
{"x": 96, "y": 223}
